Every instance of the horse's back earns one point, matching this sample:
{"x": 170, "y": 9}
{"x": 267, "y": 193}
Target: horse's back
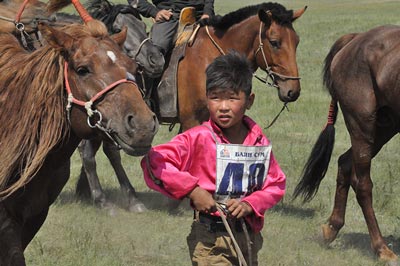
{"x": 368, "y": 47}
{"x": 370, "y": 61}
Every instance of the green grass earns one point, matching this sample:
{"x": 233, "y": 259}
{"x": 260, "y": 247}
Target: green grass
{"x": 76, "y": 233}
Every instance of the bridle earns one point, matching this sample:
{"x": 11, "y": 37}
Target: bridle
{"x": 270, "y": 73}
{"x": 268, "y": 69}
{"x": 89, "y": 104}
{"x": 140, "y": 47}
{"x": 145, "y": 93}
{"x": 20, "y": 26}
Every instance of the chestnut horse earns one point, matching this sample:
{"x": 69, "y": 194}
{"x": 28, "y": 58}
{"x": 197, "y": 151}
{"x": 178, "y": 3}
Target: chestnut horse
{"x": 50, "y": 99}
{"x": 264, "y": 33}
{"x": 362, "y": 75}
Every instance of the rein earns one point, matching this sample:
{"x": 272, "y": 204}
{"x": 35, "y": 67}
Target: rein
{"x": 242, "y": 261}
{"x": 89, "y": 104}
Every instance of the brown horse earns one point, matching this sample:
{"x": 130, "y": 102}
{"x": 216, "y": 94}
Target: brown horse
{"x": 49, "y": 100}
{"x": 264, "y": 33}
{"x": 361, "y": 74}
{"x": 151, "y": 61}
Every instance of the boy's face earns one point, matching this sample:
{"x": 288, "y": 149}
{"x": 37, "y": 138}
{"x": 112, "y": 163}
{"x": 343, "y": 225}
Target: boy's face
{"x": 227, "y": 107}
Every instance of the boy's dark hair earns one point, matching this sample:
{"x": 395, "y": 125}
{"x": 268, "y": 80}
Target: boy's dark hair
{"x": 231, "y": 71}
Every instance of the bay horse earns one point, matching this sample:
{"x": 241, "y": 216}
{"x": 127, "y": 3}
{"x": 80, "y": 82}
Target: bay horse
{"x": 362, "y": 76}
{"x": 151, "y": 63}
{"x": 50, "y": 99}
{"x": 263, "y": 32}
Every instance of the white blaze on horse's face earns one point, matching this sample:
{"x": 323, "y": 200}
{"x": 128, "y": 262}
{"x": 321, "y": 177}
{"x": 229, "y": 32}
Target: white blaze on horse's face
{"x": 111, "y": 55}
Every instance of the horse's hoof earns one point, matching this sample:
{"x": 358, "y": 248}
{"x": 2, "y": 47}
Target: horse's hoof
{"x": 104, "y": 204}
{"x": 110, "y": 208}
{"x": 328, "y": 233}
{"x": 387, "y": 255}
{"x": 137, "y": 207}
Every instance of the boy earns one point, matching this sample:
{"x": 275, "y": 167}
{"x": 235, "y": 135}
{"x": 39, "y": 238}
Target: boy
{"x": 226, "y": 160}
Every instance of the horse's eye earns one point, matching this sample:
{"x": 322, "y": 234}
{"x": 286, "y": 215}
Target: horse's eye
{"x": 82, "y": 71}
{"x": 275, "y": 44}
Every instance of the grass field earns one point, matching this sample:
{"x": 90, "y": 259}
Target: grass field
{"x": 77, "y": 233}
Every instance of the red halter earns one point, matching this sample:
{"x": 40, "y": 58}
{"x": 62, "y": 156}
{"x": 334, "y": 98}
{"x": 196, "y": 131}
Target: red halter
{"x": 88, "y": 104}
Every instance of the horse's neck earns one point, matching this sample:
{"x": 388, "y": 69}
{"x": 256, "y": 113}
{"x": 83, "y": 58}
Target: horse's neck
{"x": 241, "y": 37}
{"x": 66, "y": 147}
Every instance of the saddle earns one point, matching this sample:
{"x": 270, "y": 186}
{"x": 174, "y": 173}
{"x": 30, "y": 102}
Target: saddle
{"x": 167, "y": 91}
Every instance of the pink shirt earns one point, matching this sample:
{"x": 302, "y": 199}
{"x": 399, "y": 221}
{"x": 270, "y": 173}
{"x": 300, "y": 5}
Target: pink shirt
{"x": 189, "y": 160}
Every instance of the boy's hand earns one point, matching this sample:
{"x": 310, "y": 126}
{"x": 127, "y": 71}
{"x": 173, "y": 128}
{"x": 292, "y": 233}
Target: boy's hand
{"x": 238, "y": 209}
{"x": 202, "y": 200}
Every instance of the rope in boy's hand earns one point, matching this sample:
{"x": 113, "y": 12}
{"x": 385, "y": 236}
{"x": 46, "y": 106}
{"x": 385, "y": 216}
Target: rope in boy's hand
{"x": 222, "y": 212}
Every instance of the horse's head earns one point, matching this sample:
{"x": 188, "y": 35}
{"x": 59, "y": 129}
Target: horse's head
{"x": 276, "y": 52}
{"x": 137, "y": 45}
{"x": 103, "y": 97}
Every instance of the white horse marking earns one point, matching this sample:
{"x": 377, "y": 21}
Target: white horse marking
{"x": 111, "y": 55}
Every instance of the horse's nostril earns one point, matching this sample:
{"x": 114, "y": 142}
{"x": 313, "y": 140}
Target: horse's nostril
{"x": 130, "y": 122}
{"x": 151, "y": 60}
{"x": 290, "y": 94}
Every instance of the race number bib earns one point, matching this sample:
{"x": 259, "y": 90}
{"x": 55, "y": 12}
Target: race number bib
{"x": 240, "y": 170}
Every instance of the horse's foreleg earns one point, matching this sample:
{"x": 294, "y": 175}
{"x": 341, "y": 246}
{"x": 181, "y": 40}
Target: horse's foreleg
{"x": 88, "y": 179}
{"x": 337, "y": 218}
{"x": 113, "y": 154}
{"x": 11, "y": 248}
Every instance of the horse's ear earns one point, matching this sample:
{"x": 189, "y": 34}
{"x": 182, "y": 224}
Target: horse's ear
{"x": 265, "y": 16}
{"x": 56, "y": 38}
{"x": 120, "y": 37}
{"x": 298, "y": 13}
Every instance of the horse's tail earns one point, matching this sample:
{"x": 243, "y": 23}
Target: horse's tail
{"x": 317, "y": 165}
{"x": 336, "y": 47}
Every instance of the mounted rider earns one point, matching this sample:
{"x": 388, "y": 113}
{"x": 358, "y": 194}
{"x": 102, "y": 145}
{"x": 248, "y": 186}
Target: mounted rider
{"x": 166, "y": 15}
{"x": 171, "y": 18}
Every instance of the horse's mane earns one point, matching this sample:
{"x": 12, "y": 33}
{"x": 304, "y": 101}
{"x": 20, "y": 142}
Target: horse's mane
{"x": 32, "y": 107}
{"x": 107, "y": 12}
{"x": 279, "y": 13}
